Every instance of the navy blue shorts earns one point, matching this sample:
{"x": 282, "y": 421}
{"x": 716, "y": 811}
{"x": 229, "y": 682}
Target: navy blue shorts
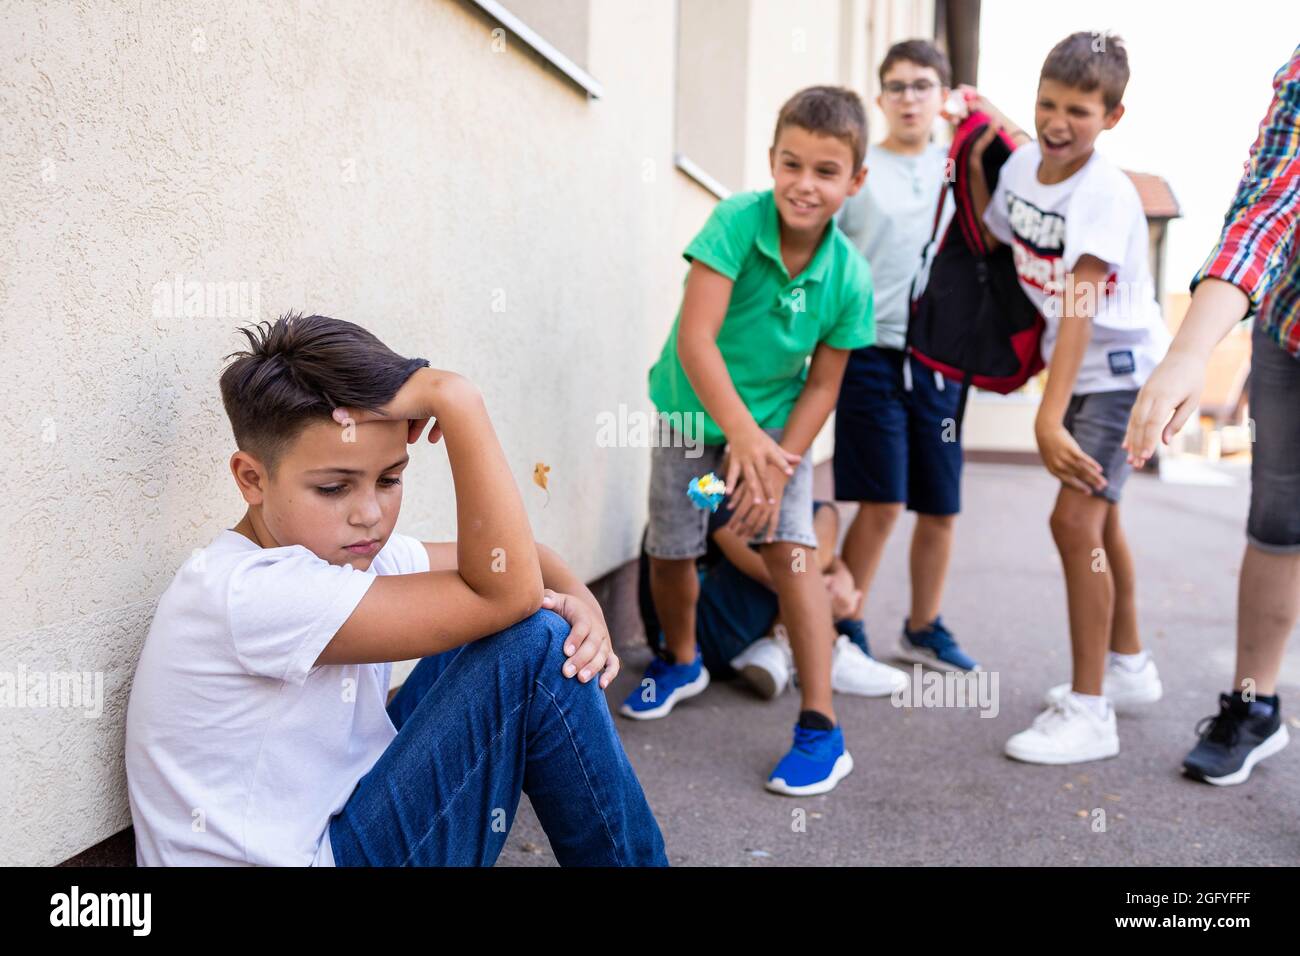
{"x": 893, "y": 444}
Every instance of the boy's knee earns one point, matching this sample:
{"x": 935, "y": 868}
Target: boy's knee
{"x": 537, "y": 640}
{"x": 936, "y": 522}
{"x": 1072, "y": 526}
{"x": 878, "y": 515}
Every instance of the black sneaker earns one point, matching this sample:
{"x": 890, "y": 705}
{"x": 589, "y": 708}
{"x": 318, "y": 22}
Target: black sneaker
{"x": 1233, "y": 741}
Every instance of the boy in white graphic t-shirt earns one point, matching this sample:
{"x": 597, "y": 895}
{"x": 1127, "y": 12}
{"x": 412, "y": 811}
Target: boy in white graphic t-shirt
{"x": 1076, "y": 228}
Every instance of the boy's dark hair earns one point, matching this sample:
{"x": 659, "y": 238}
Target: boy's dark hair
{"x": 920, "y": 52}
{"x": 828, "y": 111}
{"x": 298, "y": 370}
{"x": 1088, "y": 61}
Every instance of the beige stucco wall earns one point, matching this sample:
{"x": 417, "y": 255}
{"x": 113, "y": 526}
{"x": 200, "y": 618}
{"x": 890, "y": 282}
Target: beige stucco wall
{"x": 383, "y": 163}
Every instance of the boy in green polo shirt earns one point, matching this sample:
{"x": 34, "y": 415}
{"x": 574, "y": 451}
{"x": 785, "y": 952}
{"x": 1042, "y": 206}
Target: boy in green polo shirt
{"x": 772, "y": 284}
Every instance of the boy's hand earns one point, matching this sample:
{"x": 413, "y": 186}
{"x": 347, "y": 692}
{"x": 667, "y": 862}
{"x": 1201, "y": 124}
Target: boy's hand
{"x": 776, "y": 480}
{"x": 846, "y": 600}
{"x": 1163, "y": 405}
{"x": 748, "y": 459}
{"x": 977, "y": 102}
{"x": 1066, "y": 460}
{"x": 418, "y": 401}
{"x": 588, "y": 646}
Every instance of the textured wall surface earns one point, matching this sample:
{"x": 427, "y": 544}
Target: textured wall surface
{"x": 390, "y": 163}
{"x": 386, "y": 163}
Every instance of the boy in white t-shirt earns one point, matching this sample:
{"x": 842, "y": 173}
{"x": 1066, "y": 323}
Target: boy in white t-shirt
{"x": 258, "y": 730}
{"x": 1079, "y": 237}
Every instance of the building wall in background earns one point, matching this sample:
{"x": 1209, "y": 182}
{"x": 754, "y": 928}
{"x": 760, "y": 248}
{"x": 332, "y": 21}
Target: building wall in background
{"x": 393, "y": 164}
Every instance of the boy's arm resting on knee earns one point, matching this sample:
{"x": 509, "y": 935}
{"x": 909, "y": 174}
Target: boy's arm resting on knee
{"x": 559, "y": 577}
{"x": 497, "y": 577}
{"x": 556, "y": 574}
{"x": 442, "y": 555}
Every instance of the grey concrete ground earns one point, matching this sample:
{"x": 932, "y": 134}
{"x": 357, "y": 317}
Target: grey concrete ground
{"x": 931, "y": 786}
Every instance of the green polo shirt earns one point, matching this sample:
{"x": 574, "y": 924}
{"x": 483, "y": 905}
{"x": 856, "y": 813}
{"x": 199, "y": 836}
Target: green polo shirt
{"x": 773, "y": 322}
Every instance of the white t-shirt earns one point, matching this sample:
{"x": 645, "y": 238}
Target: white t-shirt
{"x": 1049, "y": 227}
{"x": 238, "y": 750}
{"x": 890, "y": 220}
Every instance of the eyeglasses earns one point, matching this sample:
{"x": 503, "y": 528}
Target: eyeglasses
{"x": 895, "y": 89}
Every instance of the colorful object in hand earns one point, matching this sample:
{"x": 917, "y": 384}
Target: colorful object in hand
{"x": 706, "y": 491}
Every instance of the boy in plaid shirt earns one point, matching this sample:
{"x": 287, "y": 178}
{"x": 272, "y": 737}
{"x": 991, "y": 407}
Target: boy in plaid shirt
{"x": 1255, "y": 269}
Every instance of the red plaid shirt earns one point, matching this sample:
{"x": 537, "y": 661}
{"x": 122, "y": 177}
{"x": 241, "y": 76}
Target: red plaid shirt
{"x": 1258, "y": 251}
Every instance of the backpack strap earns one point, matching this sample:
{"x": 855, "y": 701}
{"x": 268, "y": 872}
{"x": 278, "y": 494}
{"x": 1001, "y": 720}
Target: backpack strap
{"x": 934, "y": 231}
{"x": 961, "y": 402}
{"x": 911, "y": 292}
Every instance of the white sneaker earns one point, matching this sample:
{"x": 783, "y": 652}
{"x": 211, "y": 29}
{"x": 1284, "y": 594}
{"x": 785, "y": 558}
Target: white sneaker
{"x": 854, "y": 672}
{"x": 1125, "y": 689}
{"x": 766, "y": 664}
{"x": 1067, "y": 732}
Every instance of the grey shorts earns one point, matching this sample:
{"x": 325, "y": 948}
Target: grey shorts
{"x": 679, "y": 530}
{"x": 1098, "y": 421}
{"x": 1274, "y": 522}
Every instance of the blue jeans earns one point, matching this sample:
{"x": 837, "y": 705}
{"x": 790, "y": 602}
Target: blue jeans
{"x": 477, "y": 725}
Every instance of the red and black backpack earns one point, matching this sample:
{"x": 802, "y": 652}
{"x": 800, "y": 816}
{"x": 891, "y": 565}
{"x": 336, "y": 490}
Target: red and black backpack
{"x": 973, "y": 323}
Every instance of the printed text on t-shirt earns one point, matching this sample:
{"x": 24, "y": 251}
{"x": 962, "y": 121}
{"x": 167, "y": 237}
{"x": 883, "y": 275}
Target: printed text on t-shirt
{"x": 1039, "y": 241}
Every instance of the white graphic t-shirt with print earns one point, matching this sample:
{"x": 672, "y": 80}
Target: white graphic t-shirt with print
{"x": 1050, "y": 227}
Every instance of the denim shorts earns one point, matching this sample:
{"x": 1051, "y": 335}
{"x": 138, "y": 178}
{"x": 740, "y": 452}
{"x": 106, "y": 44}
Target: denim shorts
{"x": 1098, "y": 421}
{"x": 679, "y": 530}
{"x": 1274, "y": 522}
{"x": 733, "y": 612}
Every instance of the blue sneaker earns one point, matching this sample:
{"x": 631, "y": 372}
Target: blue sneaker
{"x": 815, "y": 764}
{"x": 936, "y": 647}
{"x": 664, "y": 686}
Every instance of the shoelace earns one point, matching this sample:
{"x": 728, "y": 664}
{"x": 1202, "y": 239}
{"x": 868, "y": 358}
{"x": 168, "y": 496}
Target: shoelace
{"x": 939, "y": 637}
{"x": 658, "y": 668}
{"x": 1221, "y": 728}
{"x": 1056, "y": 711}
{"x": 805, "y": 739}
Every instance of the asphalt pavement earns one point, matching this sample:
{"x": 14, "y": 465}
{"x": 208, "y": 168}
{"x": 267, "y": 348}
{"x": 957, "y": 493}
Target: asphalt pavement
{"x": 931, "y": 785}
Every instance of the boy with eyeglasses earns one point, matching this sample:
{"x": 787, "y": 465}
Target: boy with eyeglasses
{"x": 894, "y": 440}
